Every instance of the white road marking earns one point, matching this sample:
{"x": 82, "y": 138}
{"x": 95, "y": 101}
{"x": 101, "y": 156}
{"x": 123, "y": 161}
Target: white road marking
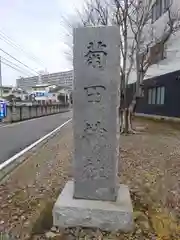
{"x": 13, "y": 158}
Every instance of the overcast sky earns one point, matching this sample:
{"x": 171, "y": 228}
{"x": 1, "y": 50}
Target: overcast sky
{"x": 36, "y": 25}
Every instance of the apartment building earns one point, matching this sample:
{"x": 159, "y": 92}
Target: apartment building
{"x": 165, "y": 57}
{"x": 162, "y": 80}
{"x": 59, "y": 78}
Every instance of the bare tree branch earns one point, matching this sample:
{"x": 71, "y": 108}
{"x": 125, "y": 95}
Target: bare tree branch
{"x": 137, "y": 33}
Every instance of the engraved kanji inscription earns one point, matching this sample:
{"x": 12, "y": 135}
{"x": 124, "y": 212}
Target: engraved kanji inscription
{"x": 94, "y": 93}
{"x": 96, "y": 55}
{"x": 94, "y": 170}
{"x": 91, "y": 128}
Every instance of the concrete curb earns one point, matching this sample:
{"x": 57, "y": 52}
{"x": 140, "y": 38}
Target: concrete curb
{"x": 13, "y": 162}
{"x": 158, "y": 117}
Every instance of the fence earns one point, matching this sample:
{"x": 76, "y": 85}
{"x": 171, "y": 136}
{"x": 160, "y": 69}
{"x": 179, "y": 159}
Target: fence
{"x": 20, "y": 113}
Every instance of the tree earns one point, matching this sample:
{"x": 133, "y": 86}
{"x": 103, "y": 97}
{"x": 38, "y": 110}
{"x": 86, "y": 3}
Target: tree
{"x": 112, "y": 12}
{"x": 137, "y": 36}
{"x": 149, "y": 41}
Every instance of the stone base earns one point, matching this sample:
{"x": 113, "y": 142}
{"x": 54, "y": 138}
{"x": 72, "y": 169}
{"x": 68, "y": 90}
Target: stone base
{"x": 108, "y": 216}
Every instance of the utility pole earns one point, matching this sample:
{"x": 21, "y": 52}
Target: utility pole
{"x": 0, "y": 79}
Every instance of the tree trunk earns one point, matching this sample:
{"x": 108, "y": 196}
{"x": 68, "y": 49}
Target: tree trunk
{"x": 130, "y": 116}
{"x": 126, "y": 115}
{"x": 124, "y": 122}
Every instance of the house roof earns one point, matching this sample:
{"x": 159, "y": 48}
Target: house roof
{"x": 6, "y": 87}
{"x": 58, "y": 88}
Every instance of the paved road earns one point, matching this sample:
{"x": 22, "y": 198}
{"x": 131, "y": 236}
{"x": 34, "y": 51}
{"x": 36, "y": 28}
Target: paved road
{"x": 15, "y": 137}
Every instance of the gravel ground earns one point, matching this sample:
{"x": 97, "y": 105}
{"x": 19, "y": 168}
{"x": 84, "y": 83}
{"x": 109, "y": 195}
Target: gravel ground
{"x": 149, "y": 164}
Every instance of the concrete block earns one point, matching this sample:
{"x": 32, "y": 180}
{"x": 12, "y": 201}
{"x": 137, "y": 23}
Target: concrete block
{"x": 106, "y": 215}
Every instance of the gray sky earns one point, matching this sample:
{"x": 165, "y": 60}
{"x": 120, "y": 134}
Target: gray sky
{"x": 36, "y": 26}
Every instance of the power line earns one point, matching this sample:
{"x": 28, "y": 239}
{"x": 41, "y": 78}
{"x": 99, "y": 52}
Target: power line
{"x": 12, "y": 67}
{"x": 18, "y": 61}
{"x": 9, "y": 62}
{"x": 9, "y": 41}
{"x": 19, "y": 48}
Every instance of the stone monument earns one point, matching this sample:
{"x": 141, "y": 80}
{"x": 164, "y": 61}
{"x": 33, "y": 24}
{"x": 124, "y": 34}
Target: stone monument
{"x": 94, "y": 198}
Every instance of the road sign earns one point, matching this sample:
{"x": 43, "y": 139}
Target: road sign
{"x": 3, "y": 110}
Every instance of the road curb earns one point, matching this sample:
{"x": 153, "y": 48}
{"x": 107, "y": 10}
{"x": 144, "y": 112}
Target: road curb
{"x": 158, "y": 117}
{"x": 13, "y": 162}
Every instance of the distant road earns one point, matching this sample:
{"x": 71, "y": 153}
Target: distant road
{"x": 15, "y": 137}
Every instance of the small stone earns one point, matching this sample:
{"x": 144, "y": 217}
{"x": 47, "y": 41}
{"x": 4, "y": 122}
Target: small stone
{"x": 23, "y": 217}
{"x": 26, "y": 223}
{"x": 4, "y": 205}
{"x": 54, "y": 229}
{"x": 26, "y": 237}
{"x": 2, "y": 222}
{"x": 51, "y": 235}
{"x": 138, "y": 231}
{"x": 14, "y": 218}
{"x": 58, "y": 230}
{"x": 8, "y": 197}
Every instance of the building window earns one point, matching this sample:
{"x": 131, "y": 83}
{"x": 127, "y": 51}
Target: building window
{"x": 158, "y": 100}
{"x": 150, "y": 96}
{"x": 156, "y": 95}
{"x": 159, "y": 8}
{"x": 162, "y": 95}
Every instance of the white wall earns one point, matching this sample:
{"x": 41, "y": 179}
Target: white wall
{"x": 172, "y": 48}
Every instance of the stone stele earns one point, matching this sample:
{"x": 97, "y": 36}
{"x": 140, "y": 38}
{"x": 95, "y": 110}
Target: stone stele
{"x": 94, "y": 198}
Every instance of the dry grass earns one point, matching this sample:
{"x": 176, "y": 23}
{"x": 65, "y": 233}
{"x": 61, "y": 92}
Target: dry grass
{"x": 149, "y": 164}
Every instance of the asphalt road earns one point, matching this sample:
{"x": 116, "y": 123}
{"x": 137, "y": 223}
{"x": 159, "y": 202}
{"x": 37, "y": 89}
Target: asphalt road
{"x": 15, "y": 137}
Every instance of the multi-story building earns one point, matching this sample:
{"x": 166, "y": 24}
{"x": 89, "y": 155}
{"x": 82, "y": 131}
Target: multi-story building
{"x": 60, "y": 79}
{"x": 164, "y": 57}
{"x": 162, "y": 80}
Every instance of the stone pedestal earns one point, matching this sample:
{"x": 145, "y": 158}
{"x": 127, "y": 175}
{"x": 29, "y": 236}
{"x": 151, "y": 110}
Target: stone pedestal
{"x": 106, "y": 215}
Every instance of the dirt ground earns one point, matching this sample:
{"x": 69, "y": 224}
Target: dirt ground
{"x": 149, "y": 165}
